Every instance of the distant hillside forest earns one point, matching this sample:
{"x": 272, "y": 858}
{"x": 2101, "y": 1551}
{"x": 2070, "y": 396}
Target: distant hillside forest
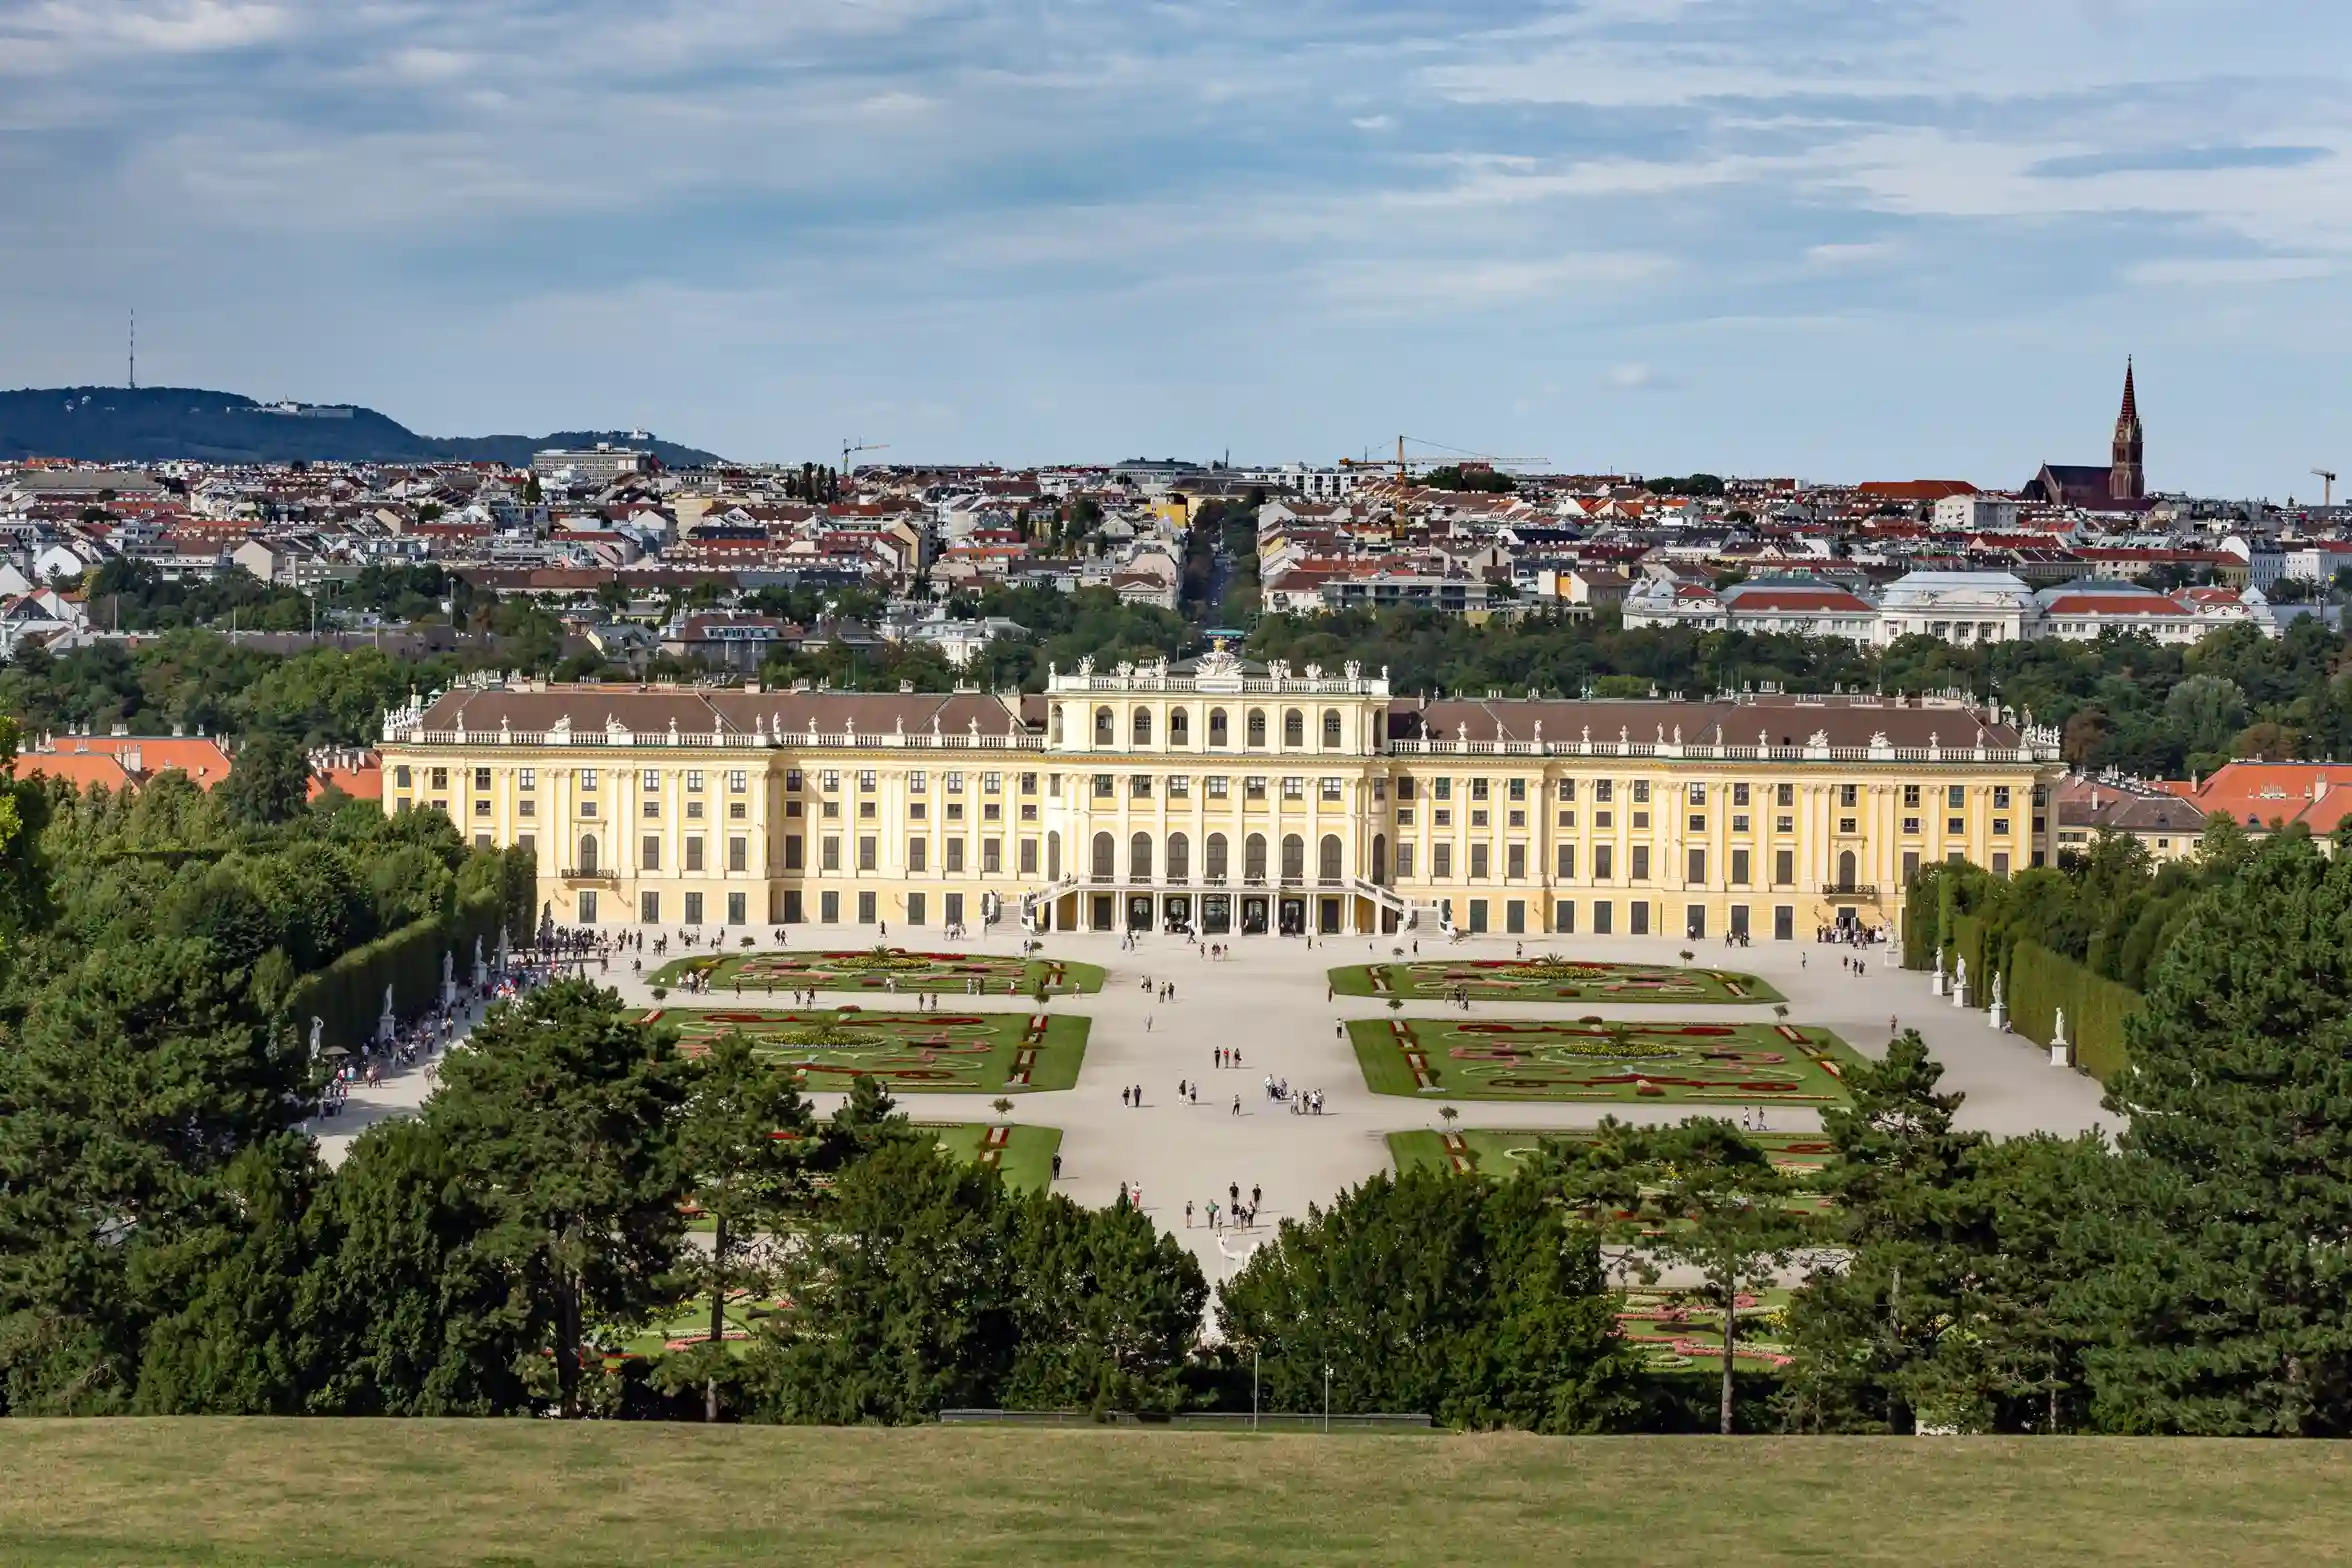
{"x": 160, "y": 424}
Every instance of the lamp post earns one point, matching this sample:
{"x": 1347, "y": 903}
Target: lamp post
{"x": 1326, "y": 1399}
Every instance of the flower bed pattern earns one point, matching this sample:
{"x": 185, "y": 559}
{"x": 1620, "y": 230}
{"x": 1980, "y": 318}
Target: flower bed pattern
{"x": 1717, "y": 1064}
{"x": 886, "y": 970}
{"x": 936, "y": 1053}
{"x": 1548, "y": 978}
{"x": 1496, "y": 1152}
{"x": 1676, "y": 1334}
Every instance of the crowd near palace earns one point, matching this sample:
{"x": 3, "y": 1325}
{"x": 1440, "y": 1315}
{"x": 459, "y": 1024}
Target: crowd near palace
{"x": 1226, "y": 797}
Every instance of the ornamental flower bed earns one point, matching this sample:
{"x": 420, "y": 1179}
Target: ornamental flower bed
{"x": 890, "y": 970}
{"x": 1520, "y": 1059}
{"x": 1548, "y": 978}
{"x": 941, "y": 1052}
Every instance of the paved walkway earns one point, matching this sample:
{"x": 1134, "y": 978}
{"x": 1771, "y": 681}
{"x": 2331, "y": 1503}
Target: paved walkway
{"x": 1268, "y": 1000}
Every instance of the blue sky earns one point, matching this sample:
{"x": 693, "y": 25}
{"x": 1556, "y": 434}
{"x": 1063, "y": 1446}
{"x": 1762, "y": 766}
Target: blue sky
{"x": 1828, "y": 238}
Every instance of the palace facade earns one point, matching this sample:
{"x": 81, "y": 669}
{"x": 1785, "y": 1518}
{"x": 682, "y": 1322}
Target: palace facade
{"x": 1226, "y": 797}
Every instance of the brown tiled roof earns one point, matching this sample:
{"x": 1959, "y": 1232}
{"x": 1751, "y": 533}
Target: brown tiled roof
{"x": 1787, "y": 722}
{"x": 649, "y": 710}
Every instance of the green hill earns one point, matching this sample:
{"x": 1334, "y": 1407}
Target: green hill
{"x": 153, "y": 424}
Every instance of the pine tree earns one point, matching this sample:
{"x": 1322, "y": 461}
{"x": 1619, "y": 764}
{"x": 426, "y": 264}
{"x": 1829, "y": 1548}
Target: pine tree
{"x": 2229, "y": 1285}
{"x": 563, "y": 1109}
{"x": 1696, "y": 1196}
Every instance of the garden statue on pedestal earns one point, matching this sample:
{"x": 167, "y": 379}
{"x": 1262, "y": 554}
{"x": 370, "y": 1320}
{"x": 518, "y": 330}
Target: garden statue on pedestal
{"x": 318, "y": 1027}
{"x": 2061, "y": 1054}
{"x": 481, "y": 966}
{"x": 2000, "y": 1013}
{"x": 448, "y": 979}
{"x": 386, "y": 1024}
{"x": 1960, "y": 982}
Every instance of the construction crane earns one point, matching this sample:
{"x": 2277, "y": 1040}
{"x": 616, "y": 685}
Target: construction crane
{"x": 1404, "y": 469}
{"x": 850, "y": 449}
{"x": 2327, "y": 486}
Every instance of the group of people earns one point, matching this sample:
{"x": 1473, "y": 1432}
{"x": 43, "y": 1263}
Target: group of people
{"x": 1240, "y": 1215}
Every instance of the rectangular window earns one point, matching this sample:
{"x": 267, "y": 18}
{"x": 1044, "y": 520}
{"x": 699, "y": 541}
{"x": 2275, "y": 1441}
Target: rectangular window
{"x": 1566, "y": 863}
{"x": 918, "y": 782}
{"x": 1478, "y": 789}
{"x": 651, "y": 860}
{"x": 1216, "y": 783}
{"x": 1698, "y": 794}
{"x": 1515, "y": 861}
{"x": 828, "y": 781}
{"x": 1638, "y": 921}
{"x": 2001, "y": 865}
{"x": 1784, "y": 795}
{"x": 1641, "y": 792}
{"x": 1604, "y": 858}
{"x": 1140, "y": 786}
{"x": 792, "y": 853}
{"x": 868, "y": 853}
{"x": 1641, "y": 862}
{"x": 649, "y": 908}
{"x": 482, "y": 778}
{"x": 1604, "y": 917}
{"x": 1784, "y": 868}
{"x": 694, "y": 909}
{"x": 1478, "y": 818}
{"x": 1564, "y": 917}
{"x": 1911, "y": 796}
{"x": 1694, "y": 922}
{"x": 1477, "y": 916}
{"x": 1604, "y": 791}
{"x": 481, "y": 808}
{"x": 1028, "y": 857}
{"x": 1028, "y": 783}
{"x": 2000, "y": 827}
{"x": 992, "y": 857}
{"x": 737, "y": 904}
{"x": 1848, "y": 795}
{"x": 1441, "y": 789}
{"x": 652, "y": 806}
{"x": 526, "y": 808}
{"x": 694, "y": 854}
{"x": 1105, "y": 786}
{"x": 1179, "y": 786}
{"x": 829, "y": 908}
{"x": 1698, "y": 824}
{"x": 955, "y": 783}
{"x": 955, "y": 909}
{"x": 865, "y": 780}
{"x": 1405, "y": 787}
{"x": 1739, "y": 794}
{"x": 1739, "y": 868}
{"x": 525, "y": 778}
{"x": 1739, "y": 921}
{"x": 1568, "y": 793}
{"x": 1253, "y": 788}
{"x": 587, "y": 808}
{"x": 829, "y": 855}
{"x": 1845, "y": 824}
{"x": 955, "y": 857}
{"x": 527, "y": 843}
{"x": 1515, "y": 916}
{"x": 738, "y": 854}
{"x": 587, "y": 907}
{"x": 1910, "y": 824}
{"x": 1404, "y": 857}
{"x": 2000, "y": 797}
{"x": 1784, "y": 923}
{"x": 1956, "y": 825}
{"x": 918, "y": 854}
{"x": 1739, "y": 824}
{"x": 865, "y": 909}
{"x": 1955, "y": 797}
{"x": 914, "y": 916}
{"x": 1441, "y": 860}
{"x": 792, "y": 907}
{"x": 1567, "y": 819}
{"x": 1331, "y": 789}
{"x": 792, "y": 780}
{"x": 1478, "y": 856}
{"x": 1910, "y": 866}
{"x": 1697, "y": 869}
{"x": 1294, "y": 788}
{"x": 587, "y": 778}
{"x": 1518, "y": 789}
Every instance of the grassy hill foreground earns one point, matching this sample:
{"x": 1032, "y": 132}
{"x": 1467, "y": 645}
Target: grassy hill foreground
{"x": 130, "y": 1492}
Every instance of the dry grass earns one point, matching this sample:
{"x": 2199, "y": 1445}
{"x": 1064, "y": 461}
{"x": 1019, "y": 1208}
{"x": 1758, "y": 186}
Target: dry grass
{"x": 434, "y": 1493}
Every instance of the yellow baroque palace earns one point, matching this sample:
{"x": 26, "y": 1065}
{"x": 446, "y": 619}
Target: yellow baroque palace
{"x": 1224, "y": 797}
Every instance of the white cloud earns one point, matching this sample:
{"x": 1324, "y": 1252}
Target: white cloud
{"x": 2226, "y": 272}
{"x": 1638, "y": 376}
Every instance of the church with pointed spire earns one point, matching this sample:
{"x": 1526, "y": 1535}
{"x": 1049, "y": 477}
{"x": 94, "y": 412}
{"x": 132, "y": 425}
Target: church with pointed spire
{"x": 2121, "y": 485}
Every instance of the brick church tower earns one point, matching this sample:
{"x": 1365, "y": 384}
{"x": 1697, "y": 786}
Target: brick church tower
{"x": 2127, "y": 477}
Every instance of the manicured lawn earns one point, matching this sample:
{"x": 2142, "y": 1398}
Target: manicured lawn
{"x": 1023, "y": 1156}
{"x": 1633, "y": 1063}
{"x": 538, "y": 1494}
{"x": 947, "y": 1052}
{"x": 1547, "y": 978}
{"x": 883, "y": 970}
{"x": 1496, "y": 1152}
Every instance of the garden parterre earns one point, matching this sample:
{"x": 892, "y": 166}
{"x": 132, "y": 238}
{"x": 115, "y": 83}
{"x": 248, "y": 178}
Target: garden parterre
{"x": 1593, "y": 1059}
{"x": 1547, "y": 978}
{"x": 948, "y": 1051}
{"x": 888, "y": 970}
{"x": 1497, "y": 1152}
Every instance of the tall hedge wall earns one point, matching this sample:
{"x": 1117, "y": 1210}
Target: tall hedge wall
{"x": 1967, "y": 941}
{"x": 2040, "y": 982}
{"x": 348, "y": 995}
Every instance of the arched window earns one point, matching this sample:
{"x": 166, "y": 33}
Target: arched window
{"x": 1104, "y": 733}
{"x": 1294, "y": 728}
{"x": 1105, "y": 858}
{"x": 1330, "y": 852}
{"x": 1330, "y": 729}
{"x": 1219, "y": 735}
{"x": 1053, "y": 857}
{"x": 1216, "y": 859}
{"x": 588, "y": 853}
{"x": 1179, "y": 857}
{"x": 1845, "y": 868}
{"x": 1143, "y": 726}
{"x": 1057, "y": 724}
{"x": 1253, "y": 857}
{"x": 1380, "y": 858}
{"x": 1257, "y": 727}
{"x": 1294, "y": 858}
{"x": 1139, "y": 858}
{"x": 1179, "y": 728}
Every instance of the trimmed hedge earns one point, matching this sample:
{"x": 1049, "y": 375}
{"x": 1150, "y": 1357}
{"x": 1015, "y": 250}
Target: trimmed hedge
{"x": 348, "y": 995}
{"x": 2040, "y": 982}
{"x": 1967, "y": 941}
